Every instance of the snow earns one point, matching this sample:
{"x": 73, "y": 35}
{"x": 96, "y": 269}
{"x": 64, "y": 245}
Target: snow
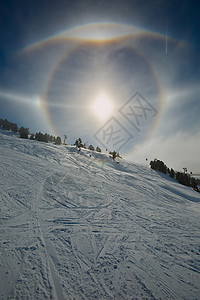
{"x": 81, "y": 226}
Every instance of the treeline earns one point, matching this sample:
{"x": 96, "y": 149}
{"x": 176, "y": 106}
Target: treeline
{"x": 24, "y": 133}
{"x": 39, "y": 136}
{"x": 182, "y": 177}
{"x": 47, "y": 138}
{"x": 79, "y": 144}
{"x": 114, "y": 154}
{"x": 8, "y": 125}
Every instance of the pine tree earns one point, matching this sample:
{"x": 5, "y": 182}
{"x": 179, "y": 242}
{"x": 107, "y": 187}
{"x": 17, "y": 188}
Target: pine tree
{"x": 114, "y": 155}
{"x": 172, "y": 173}
{"x": 32, "y": 137}
{"x": 91, "y": 148}
{"x": 78, "y": 143}
{"x": 58, "y": 140}
{"x": 24, "y": 132}
{"x": 98, "y": 149}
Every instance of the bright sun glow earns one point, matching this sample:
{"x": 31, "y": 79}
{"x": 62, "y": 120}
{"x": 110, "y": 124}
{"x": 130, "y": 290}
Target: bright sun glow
{"x": 102, "y": 107}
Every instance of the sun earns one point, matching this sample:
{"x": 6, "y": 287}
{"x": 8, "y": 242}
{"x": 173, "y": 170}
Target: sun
{"x": 102, "y": 106}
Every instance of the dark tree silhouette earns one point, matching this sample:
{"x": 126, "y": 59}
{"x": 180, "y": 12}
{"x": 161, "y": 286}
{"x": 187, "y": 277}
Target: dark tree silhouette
{"x": 158, "y": 165}
{"x": 91, "y": 148}
{"x": 24, "y": 132}
{"x": 172, "y": 173}
{"x": 58, "y": 140}
{"x": 98, "y": 149}
{"x": 79, "y": 144}
{"x": 14, "y": 127}
{"x": 114, "y": 154}
{"x": 32, "y": 137}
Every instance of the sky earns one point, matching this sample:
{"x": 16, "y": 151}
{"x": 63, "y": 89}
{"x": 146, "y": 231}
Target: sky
{"x": 122, "y": 75}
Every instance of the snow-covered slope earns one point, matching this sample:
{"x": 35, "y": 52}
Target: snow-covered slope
{"x": 81, "y": 226}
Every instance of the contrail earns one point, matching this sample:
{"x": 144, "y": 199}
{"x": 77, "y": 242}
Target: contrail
{"x": 166, "y": 40}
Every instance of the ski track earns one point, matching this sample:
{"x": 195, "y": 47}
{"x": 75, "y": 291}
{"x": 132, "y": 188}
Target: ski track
{"x": 75, "y": 226}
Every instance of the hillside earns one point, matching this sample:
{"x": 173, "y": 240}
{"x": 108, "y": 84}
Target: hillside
{"x": 80, "y": 226}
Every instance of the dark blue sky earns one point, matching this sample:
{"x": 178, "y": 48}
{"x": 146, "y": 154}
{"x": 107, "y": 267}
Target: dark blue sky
{"x": 23, "y": 21}
{"x": 148, "y": 46}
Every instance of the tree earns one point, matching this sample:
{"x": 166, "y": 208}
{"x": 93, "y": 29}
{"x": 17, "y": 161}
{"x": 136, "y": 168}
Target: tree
{"x": 158, "y": 165}
{"x": 118, "y": 155}
{"x": 14, "y": 127}
{"x": 193, "y": 183}
{"x": 32, "y": 137}
{"x": 91, "y": 148}
{"x": 153, "y": 164}
{"x": 24, "y": 132}
{"x": 172, "y": 173}
{"x": 39, "y": 136}
{"x": 183, "y": 178}
{"x": 58, "y": 140}
{"x": 45, "y": 137}
{"x": 6, "y": 124}
{"x": 98, "y": 149}
{"x": 114, "y": 155}
{"x": 51, "y": 138}
{"x": 78, "y": 143}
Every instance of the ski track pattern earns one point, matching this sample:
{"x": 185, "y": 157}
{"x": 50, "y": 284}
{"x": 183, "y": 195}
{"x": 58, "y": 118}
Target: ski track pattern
{"x": 80, "y": 227}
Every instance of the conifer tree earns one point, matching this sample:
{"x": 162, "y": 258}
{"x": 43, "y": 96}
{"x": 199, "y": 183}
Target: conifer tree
{"x": 91, "y": 148}
{"x": 58, "y": 140}
{"x": 98, "y": 149}
{"x": 24, "y": 132}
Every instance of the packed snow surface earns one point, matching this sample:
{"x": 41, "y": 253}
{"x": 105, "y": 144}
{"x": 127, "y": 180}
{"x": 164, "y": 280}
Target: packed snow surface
{"x": 78, "y": 225}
